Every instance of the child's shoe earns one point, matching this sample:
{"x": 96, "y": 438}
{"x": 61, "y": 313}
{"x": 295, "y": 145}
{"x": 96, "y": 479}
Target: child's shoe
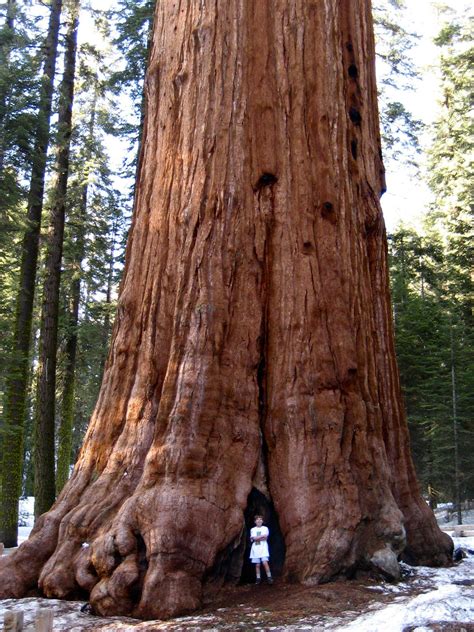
{"x": 258, "y": 580}
{"x": 270, "y": 580}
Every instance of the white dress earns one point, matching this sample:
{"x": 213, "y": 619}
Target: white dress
{"x": 259, "y": 549}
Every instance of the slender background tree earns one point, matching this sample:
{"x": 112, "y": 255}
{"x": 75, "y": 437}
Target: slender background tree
{"x": 44, "y": 459}
{"x": 17, "y": 373}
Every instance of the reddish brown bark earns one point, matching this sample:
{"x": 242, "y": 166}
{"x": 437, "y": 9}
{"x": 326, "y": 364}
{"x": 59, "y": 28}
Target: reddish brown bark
{"x": 253, "y": 345}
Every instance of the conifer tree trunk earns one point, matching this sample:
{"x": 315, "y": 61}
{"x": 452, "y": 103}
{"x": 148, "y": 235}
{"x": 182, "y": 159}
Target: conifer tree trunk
{"x": 5, "y": 54}
{"x": 67, "y": 413}
{"x": 44, "y": 449}
{"x": 17, "y": 380}
{"x": 454, "y": 398}
{"x": 108, "y": 291}
{"x": 252, "y": 363}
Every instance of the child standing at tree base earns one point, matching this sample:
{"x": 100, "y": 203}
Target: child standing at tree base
{"x": 259, "y": 553}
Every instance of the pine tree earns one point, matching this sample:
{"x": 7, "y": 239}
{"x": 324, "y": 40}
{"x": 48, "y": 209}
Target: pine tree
{"x": 72, "y": 315}
{"x": 453, "y": 214}
{"x": 97, "y": 220}
{"x": 44, "y": 457}
{"x": 106, "y": 219}
{"x": 397, "y": 73}
{"x": 19, "y": 92}
{"x": 422, "y": 343}
{"x": 133, "y": 23}
{"x": 17, "y": 376}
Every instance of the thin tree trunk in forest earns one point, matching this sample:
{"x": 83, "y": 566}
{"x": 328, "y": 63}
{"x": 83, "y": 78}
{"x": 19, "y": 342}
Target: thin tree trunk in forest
{"x": 17, "y": 378}
{"x": 5, "y": 53}
{"x": 67, "y": 416}
{"x": 45, "y": 491}
{"x": 454, "y": 397}
{"x": 108, "y": 293}
{"x": 67, "y": 413}
{"x": 252, "y": 365}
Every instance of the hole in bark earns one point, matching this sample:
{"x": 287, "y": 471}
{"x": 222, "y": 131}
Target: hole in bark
{"x": 354, "y": 149}
{"x": 349, "y": 47}
{"x": 328, "y": 207}
{"x": 308, "y": 248}
{"x": 355, "y": 116}
{"x": 258, "y": 503}
{"x": 328, "y": 212}
{"x": 265, "y": 180}
{"x": 351, "y": 376}
{"x": 353, "y": 72}
{"x": 135, "y": 590}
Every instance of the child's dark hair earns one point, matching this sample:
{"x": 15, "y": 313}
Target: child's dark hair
{"x": 258, "y": 516}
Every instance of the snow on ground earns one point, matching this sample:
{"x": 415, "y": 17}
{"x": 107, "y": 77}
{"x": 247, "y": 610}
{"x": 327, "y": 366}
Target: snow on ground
{"x": 67, "y": 615}
{"x": 444, "y": 601}
{"x": 437, "y": 600}
{"x": 427, "y": 596}
{"x": 27, "y": 518}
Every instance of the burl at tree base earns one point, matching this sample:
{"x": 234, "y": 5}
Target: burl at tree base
{"x": 252, "y": 355}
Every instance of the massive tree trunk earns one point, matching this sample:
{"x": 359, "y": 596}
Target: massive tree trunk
{"x": 17, "y": 380}
{"x": 252, "y": 362}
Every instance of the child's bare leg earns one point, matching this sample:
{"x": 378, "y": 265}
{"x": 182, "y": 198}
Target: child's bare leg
{"x": 266, "y": 566}
{"x": 257, "y": 572}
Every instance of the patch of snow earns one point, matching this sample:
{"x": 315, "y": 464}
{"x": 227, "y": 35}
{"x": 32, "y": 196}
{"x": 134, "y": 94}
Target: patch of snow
{"x": 27, "y": 512}
{"x": 67, "y": 614}
{"x": 444, "y": 601}
{"x": 23, "y": 534}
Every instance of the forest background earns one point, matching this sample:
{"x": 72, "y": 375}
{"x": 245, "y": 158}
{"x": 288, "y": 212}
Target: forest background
{"x": 71, "y": 110}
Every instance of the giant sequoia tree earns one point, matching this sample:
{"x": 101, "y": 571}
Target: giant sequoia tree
{"x": 252, "y": 361}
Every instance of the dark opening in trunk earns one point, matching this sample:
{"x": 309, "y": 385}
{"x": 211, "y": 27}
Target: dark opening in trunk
{"x": 258, "y": 503}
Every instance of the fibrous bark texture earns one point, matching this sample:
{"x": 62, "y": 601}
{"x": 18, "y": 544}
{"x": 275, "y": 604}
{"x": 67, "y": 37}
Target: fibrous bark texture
{"x": 252, "y": 359}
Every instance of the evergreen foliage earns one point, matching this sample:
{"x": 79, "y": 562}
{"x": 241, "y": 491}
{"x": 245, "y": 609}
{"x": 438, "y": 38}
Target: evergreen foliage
{"x": 98, "y": 218}
{"x": 397, "y": 73}
{"x": 97, "y": 221}
{"x": 133, "y": 20}
{"x": 17, "y": 366}
{"x": 432, "y": 289}
{"x": 19, "y": 95}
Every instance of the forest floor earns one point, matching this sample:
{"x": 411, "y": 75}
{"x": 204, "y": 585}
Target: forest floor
{"x": 425, "y": 599}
